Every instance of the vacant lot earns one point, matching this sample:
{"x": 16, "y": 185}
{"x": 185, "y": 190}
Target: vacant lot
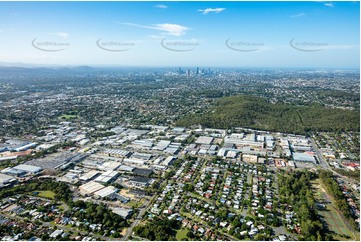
{"x": 46, "y": 194}
{"x": 181, "y": 234}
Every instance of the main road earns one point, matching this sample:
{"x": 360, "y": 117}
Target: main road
{"x": 138, "y": 218}
{"x": 324, "y": 164}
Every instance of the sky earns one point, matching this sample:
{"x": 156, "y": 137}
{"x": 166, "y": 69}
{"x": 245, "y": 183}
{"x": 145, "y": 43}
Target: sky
{"x": 222, "y": 34}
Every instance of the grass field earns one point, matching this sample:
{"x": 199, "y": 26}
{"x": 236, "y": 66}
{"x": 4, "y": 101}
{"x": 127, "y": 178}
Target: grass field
{"x": 181, "y": 234}
{"x": 46, "y": 194}
{"x": 68, "y": 116}
{"x": 61, "y": 207}
{"x": 136, "y": 204}
{"x": 332, "y": 216}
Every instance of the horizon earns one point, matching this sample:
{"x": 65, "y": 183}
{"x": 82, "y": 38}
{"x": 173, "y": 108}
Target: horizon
{"x": 229, "y": 34}
{"x": 57, "y": 66}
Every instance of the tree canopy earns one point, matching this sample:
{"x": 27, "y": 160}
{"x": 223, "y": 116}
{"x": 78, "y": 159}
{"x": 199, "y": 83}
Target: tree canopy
{"x": 255, "y": 112}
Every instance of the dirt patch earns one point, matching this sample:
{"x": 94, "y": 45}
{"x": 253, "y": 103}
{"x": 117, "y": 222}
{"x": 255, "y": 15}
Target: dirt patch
{"x": 126, "y": 193}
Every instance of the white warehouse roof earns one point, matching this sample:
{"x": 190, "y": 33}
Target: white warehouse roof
{"x": 105, "y": 192}
{"x": 28, "y": 168}
{"x": 90, "y": 187}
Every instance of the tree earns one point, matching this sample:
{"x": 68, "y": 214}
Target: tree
{"x": 236, "y": 222}
{"x": 190, "y": 234}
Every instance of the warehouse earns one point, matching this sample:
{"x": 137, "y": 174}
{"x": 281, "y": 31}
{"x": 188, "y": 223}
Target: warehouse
{"x": 204, "y": 140}
{"x": 138, "y": 181}
{"x": 116, "y": 152}
{"x": 92, "y": 163}
{"x": 109, "y": 166}
{"x": 142, "y": 156}
{"x": 142, "y": 172}
{"x": 6, "y": 180}
{"x": 303, "y": 157}
{"x": 162, "y": 145}
{"x": 145, "y": 144}
{"x": 107, "y": 176}
{"x": 130, "y": 161}
{"x": 126, "y": 168}
{"x": 89, "y": 175}
{"x": 90, "y": 188}
{"x": 13, "y": 157}
{"x": 29, "y": 169}
{"x": 13, "y": 172}
{"x": 107, "y": 192}
{"x": 25, "y": 146}
{"x": 123, "y": 212}
{"x": 169, "y": 161}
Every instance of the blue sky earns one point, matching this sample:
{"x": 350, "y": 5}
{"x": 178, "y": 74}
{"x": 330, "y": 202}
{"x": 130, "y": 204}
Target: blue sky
{"x": 234, "y": 34}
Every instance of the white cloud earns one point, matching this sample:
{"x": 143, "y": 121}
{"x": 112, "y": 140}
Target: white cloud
{"x": 298, "y": 15}
{"x": 161, "y": 6}
{"x": 60, "y": 34}
{"x": 210, "y": 10}
{"x": 171, "y": 29}
{"x": 331, "y": 5}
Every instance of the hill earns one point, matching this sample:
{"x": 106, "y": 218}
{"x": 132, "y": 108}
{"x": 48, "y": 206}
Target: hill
{"x": 257, "y": 113}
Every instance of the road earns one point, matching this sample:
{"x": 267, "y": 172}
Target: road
{"x": 142, "y": 211}
{"x": 324, "y": 164}
{"x": 138, "y": 218}
{"x": 321, "y": 159}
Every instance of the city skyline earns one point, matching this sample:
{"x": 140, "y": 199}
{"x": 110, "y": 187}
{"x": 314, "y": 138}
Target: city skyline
{"x": 157, "y": 34}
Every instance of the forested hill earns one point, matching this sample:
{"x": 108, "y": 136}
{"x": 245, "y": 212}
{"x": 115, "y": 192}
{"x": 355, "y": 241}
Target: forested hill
{"x": 254, "y": 112}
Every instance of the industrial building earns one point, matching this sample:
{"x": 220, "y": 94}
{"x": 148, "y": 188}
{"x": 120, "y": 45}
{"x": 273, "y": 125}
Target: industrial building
{"x": 142, "y": 172}
{"x": 162, "y": 145}
{"x": 22, "y": 170}
{"x": 303, "y": 157}
{"x": 109, "y": 166}
{"x": 136, "y": 162}
{"x": 126, "y": 168}
{"x": 107, "y": 176}
{"x": 116, "y": 153}
{"x": 6, "y": 180}
{"x": 25, "y": 146}
{"x": 90, "y": 187}
{"x": 107, "y": 192}
{"x": 204, "y": 140}
{"x": 168, "y": 161}
{"x": 89, "y": 175}
{"x": 123, "y": 212}
{"x": 138, "y": 181}
{"x": 28, "y": 168}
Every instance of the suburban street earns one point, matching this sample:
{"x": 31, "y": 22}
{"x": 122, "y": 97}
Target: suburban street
{"x": 138, "y": 218}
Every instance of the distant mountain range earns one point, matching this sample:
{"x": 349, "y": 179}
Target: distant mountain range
{"x": 23, "y": 68}
{"x": 32, "y": 65}
{"x": 29, "y": 68}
